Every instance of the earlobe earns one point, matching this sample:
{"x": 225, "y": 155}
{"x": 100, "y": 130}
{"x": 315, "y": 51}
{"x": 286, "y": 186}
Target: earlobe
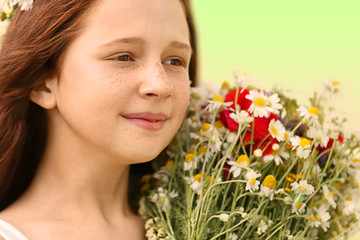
{"x": 44, "y": 94}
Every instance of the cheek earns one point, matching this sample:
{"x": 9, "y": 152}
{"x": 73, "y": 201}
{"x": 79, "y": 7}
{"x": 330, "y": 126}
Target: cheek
{"x": 182, "y": 98}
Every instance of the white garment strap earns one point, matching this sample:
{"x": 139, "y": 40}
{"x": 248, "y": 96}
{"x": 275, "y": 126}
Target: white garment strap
{"x": 9, "y": 232}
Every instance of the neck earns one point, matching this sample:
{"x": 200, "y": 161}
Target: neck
{"x": 80, "y": 184}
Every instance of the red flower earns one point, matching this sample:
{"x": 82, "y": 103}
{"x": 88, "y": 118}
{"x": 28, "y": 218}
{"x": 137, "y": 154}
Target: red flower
{"x": 261, "y": 127}
{"x": 340, "y": 139}
{"x": 241, "y": 100}
{"x": 228, "y": 121}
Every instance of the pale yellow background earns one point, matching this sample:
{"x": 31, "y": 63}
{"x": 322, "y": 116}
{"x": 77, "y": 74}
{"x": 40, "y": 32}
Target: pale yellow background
{"x": 294, "y": 45}
{"x": 291, "y": 44}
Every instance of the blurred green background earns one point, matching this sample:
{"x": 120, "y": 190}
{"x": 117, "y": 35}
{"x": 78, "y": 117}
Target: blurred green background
{"x": 294, "y": 45}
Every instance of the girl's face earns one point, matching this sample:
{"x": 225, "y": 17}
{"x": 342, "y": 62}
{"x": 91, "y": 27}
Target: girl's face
{"x": 123, "y": 88}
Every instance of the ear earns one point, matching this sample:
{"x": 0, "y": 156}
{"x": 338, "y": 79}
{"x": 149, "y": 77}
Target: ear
{"x": 44, "y": 94}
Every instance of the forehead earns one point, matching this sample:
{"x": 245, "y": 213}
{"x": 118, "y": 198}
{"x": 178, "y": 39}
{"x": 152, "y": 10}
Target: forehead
{"x": 163, "y": 19}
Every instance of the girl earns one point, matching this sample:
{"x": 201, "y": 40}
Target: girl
{"x": 86, "y": 89}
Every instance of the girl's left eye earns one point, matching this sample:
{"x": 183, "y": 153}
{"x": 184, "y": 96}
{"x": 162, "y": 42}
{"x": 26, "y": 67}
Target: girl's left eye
{"x": 175, "y": 62}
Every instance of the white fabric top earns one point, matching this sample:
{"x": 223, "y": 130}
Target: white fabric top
{"x": 9, "y": 232}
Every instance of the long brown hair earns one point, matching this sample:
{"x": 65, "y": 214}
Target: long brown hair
{"x": 30, "y": 53}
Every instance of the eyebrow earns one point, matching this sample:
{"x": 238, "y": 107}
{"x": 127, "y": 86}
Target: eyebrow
{"x": 137, "y": 40}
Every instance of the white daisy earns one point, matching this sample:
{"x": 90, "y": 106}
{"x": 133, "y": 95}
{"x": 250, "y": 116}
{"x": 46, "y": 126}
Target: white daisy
{"x": 242, "y": 162}
{"x": 323, "y": 217}
{"x": 303, "y": 187}
{"x": 252, "y": 183}
{"x": 349, "y": 206}
{"x": 233, "y": 236}
{"x": 302, "y": 145}
{"x": 216, "y": 104}
{"x": 329, "y": 196}
{"x": 162, "y": 198}
{"x": 319, "y": 135}
{"x": 196, "y": 183}
{"x": 277, "y": 157}
{"x": 241, "y": 117}
{"x": 308, "y": 113}
{"x": 298, "y": 207}
{"x": 24, "y": 4}
{"x": 268, "y": 186}
{"x": 277, "y": 130}
{"x": 260, "y": 104}
{"x": 274, "y": 102}
{"x": 332, "y": 86}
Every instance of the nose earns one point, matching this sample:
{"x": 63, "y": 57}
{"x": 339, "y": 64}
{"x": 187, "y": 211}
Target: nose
{"x": 156, "y": 82}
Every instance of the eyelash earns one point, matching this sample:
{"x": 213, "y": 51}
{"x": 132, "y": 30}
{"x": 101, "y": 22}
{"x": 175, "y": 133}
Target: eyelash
{"x": 180, "y": 62}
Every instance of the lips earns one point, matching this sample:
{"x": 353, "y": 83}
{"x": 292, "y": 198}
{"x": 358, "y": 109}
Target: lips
{"x": 147, "y": 120}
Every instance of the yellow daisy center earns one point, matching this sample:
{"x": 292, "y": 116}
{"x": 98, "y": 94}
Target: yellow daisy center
{"x": 243, "y": 159}
{"x": 269, "y": 181}
{"x": 201, "y": 150}
{"x": 169, "y": 164}
{"x": 197, "y": 177}
{"x": 218, "y": 98}
{"x": 218, "y": 124}
{"x": 313, "y": 218}
{"x": 252, "y": 182}
{"x": 356, "y": 160}
{"x": 290, "y": 179}
{"x": 260, "y": 102}
{"x": 225, "y": 85}
{"x": 210, "y": 179}
{"x": 298, "y": 205}
{"x": 189, "y": 157}
{"x": 330, "y": 194}
{"x": 146, "y": 178}
{"x": 305, "y": 142}
{"x": 313, "y": 110}
{"x": 349, "y": 198}
{"x": 274, "y": 131}
{"x": 287, "y": 189}
{"x": 335, "y": 83}
{"x": 205, "y": 127}
{"x": 144, "y": 187}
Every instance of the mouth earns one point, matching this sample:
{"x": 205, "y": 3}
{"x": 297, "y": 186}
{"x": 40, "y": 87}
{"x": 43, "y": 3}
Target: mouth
{"x": 147, "y": 120}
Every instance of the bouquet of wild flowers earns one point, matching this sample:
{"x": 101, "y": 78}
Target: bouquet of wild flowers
{"x": 249, "y": 164}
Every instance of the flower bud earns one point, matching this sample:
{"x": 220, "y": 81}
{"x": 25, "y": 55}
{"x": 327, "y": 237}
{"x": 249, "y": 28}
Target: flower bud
{"x": 224, "y": 217}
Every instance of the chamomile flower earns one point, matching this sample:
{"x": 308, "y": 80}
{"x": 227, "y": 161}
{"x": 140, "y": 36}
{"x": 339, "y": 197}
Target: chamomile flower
{"x": 320, "y": 218}
{"x": 189, "y": 162}
{"x": 277, "y": 130}
{"x": 303, "y": 187}
{"x": 274, "y": 102}
{"x": 320, "y": 136}
{"x": 241, "y": 79}
{"x": 242, "y": 162}
{"x": 24, "y": 4}
{"x": 268, "y": 186}
{"x": 216, "y": 104}
{"x": 252, "y": 184}
{"x": 260, "y": 104}
{"x": 332, "y": 86}
{"x": 329, "y": 196}
{"x": 302, "y": 146}
{"x": 308, "y": 113}
{"x": 241, "y": 117}
{"x": 277, "y": 156}
{"x": 298, "y": 207}
{"x": 349, "y": 206}
{"x": 162, "y": 198}
{"x": 233, "y": 236}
